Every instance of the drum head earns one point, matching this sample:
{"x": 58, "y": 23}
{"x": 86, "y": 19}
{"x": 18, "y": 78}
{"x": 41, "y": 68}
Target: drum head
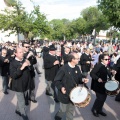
{"x": 78, "y": 94}
{"x": 111, "y": 85}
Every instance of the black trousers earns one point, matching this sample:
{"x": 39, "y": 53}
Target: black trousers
{"x": 99, "y": 102}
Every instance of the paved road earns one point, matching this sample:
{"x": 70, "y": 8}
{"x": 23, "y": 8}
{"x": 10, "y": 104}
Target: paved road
{"x": 46, "y": 108}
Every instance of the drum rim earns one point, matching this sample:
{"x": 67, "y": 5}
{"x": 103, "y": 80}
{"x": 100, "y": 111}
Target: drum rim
{"x": 77, "y": 87}
{"x": 112, "y": 81}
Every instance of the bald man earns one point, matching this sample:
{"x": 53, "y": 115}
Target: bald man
{"x": 21, "y": 78}
{"x": 66, "y": 79}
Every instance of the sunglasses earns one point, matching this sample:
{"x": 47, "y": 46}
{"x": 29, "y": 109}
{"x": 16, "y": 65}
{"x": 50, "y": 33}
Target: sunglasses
{"x": 106, "y": 59}
{"x": 26, "y": 46}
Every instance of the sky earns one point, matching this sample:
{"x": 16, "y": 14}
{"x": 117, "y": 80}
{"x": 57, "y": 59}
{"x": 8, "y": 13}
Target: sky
{"x": 58, "y": 9}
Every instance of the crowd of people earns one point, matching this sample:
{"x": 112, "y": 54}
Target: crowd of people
{"x": 66, "y": 64}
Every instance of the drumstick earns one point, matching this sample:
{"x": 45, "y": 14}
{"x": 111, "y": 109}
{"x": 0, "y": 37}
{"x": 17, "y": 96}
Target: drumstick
{"x": 81, "y": 88}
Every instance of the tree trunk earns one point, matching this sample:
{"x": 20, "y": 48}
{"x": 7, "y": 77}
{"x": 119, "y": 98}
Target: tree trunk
{"x": 26, "y": 35}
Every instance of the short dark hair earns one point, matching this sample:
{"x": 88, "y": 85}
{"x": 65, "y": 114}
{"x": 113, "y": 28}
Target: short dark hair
{"x": 101, "y": 57}
{"x": 24, "y": 43}
{"x": 70, "y": 57}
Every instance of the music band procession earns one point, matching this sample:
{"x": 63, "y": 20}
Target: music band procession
{"x": 68, "y": 67}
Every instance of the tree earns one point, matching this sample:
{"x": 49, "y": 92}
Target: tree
{"x": 10, "y": 3}
{"x": 111, "y": 9}
{"x": 79, "y": 26}
{"x": 60, "y": 29}
{"x": 94, "y": 19}
{"x": 17, "y": 20}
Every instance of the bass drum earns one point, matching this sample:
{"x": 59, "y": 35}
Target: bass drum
{"x": 80, "y": 96}
{"x": 112, "y": 87}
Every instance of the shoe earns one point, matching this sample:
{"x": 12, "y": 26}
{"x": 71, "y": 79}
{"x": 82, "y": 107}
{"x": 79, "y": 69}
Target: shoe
{"x": 17, "y": 112}
{"x": 25, "y": 117}
{"x": 39, "y": 72}
{"x": 34, "y": 101}
{"x": 56, "y": 100}
{"x": 58, "y": 118}
{"x": 117, "y": 100}
{"x": 102, "y": 113}
{"x": 5, "y": 92}
{"x": 27, "y": 103}
{"x": 49, "y": 94}
{"x": 8, "y": 87}
{"x": 95, "y": 113}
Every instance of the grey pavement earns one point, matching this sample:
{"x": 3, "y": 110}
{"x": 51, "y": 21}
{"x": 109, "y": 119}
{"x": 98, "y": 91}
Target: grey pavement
{"x": 46, "y": 108}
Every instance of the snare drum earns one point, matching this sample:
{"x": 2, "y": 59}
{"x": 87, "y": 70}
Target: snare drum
{"x": 112, "y": 87}
{"x": 80, "y": 96}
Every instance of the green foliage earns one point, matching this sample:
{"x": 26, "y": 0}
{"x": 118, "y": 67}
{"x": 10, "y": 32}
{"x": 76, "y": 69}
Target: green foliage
{"x": 79, "y": 26}
{"x": 10, "y": 3}
{"x": 94, "y": 19}
{"x": 60, "y": 29}
{"x": 111, "y": 9}
{"x": 17, "y": 20}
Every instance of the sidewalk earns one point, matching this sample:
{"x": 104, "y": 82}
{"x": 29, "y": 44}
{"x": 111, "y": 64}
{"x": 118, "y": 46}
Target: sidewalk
{"x": 46, "y": 108}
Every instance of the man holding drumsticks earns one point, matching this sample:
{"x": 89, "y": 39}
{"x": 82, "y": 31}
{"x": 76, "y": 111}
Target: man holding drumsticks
{"x": 68, "y": 77}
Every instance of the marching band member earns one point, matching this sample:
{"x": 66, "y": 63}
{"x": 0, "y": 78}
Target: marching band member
{"x": 4, "y": 63}
{"x": 20, "y": 82}
{"x": 99, "y": 75}
{"x": 51, "y": 66}
{"x": 32, "y": 59}
{"x": 66, "y": 79}
{"x": 116, "y": 72}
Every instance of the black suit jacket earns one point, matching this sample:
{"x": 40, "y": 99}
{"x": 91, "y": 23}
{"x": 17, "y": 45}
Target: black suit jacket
{"x": 99, "y": 71}
{"x": 50, "y": 68}
{"x": 64, "y": 78}
{"x": 85, "y": 67}
{"x": 20, "y": 78}
{"x": 4, "y": 66}
{"x": 117, "y": 68}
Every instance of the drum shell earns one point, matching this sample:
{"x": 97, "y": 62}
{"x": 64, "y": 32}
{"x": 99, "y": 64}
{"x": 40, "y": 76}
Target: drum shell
{"x": 83, "y": 103}
{"x": 114, "y": 92}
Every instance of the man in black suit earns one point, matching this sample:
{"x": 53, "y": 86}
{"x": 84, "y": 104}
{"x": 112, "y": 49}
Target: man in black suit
{"x": 66, "y": 79}
{"x": 4, "y": 63}
{"x": 85, "y": 62}
{"x": 29, "y": 55}
{"x": 51, "y": 65}
{"x": 45, "y": 49}
{"x": 20, "y": 83}
{"x": 65, "y": 54}
{"x": 116, "y": 72}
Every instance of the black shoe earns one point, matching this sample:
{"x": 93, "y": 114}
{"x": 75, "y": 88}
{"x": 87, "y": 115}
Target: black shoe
{"x": 95, "y": 113}
{"x": 117, "y": 100}
{"x": 49, "y": 94}
{"x": 25, "y": 117}
{"x": 58, "y": 118}
{"x": 39, "y": 72}
{"x": 26, "y": 103}
{"x": 102, "y": 113}
{"x": 8, "y": 87}
{"x": 56, "y": 100}
{"x": 34, "y": 101}
{"x": 5, "y": 92}
{"x": 17, "y": 112}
